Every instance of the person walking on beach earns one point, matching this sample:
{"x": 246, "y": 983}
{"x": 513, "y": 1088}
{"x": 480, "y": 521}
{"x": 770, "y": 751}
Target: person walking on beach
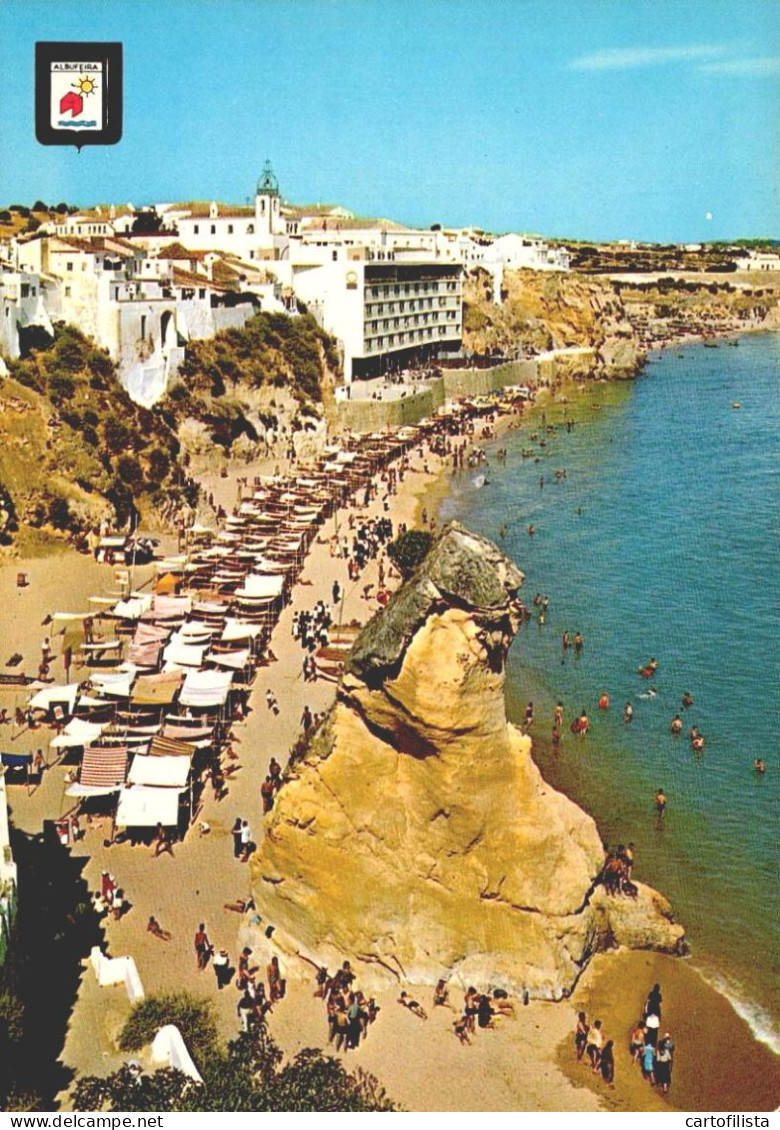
{"x": 595, "y": 1045}
{"x": 202, "y": 946}
{"x": 222, "y": 970}
{"x": 235, "y": 831}
{"x": 607, "y": 1063}
{"x": 163, "y": 842}
{"x": 581, "y": 1036}
{"x": 663, "y": 1063}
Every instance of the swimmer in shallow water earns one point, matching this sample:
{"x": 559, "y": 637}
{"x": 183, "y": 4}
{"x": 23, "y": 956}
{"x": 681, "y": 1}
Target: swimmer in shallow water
{"x": 759, "y": 765}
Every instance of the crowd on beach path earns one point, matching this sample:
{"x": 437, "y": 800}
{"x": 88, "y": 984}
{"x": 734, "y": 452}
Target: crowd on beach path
{"x": 651, "y": 1052}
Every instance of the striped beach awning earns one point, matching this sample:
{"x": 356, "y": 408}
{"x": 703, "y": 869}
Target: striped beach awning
{"x": 104, "y": 768}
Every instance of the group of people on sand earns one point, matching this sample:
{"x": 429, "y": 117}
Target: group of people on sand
{"x": 480, "y": 1009}
{"x": 654, "y": 1053}
{"x": 255, "y": 1001}
{"x": 590, "y": 1046}
{"x": 110, "y": 899}
{"x": 349, "y": 1011}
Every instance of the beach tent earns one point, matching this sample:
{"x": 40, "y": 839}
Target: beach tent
{"x": 206, "y": 688}
{"x": 76, "y": 733}
{"x": 103, "y": 771}
{"x": 160, "y": 772}
{"x": 234, "y": 660}
{"x": 156, "y": 690}
{"x": 167, "y": 584}
{"x": 60, "y": 695}
{"x": 133, "y": 608}
{"x": 168, "y": 608}
{"x": 183, "y": 654}
{"x": 144, "y": 806}
{"x": 269, "y": 586}
{"x": 238, "y": 630}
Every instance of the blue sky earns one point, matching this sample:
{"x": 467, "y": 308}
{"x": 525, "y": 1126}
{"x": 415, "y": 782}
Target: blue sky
{"x": 595, "y": 119}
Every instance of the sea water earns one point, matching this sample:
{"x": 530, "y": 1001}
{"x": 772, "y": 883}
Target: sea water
{"x": 661, "y": 542}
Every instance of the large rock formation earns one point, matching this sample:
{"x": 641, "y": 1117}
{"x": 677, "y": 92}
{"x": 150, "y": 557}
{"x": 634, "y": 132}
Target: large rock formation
{"x": 416, "y": 836}
{"x": 550, "y": 310}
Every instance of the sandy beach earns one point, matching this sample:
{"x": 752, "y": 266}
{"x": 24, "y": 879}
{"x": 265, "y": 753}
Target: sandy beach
{"x": 524, "y": 1064}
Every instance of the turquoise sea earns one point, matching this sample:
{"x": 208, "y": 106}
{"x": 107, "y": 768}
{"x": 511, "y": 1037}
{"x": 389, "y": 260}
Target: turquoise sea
{"x": 662, "y": 541}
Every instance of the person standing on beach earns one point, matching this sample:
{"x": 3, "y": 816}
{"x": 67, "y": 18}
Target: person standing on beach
{"x": 202, "y": 946}
{"x": 595, "y": 1045}
{"x": 663, "y": 1063}
{"x": 607, "y": 1063}
{"x": 581, "y": 1036}
{"x": 236, "y": 834}
{"x": 163, "y": 842}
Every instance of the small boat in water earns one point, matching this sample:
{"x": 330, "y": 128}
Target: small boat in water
{"x": 736, "y": 404}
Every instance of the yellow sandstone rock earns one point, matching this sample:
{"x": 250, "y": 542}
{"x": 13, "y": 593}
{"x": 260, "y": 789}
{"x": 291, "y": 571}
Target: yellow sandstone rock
{"x": 416, "y": 837}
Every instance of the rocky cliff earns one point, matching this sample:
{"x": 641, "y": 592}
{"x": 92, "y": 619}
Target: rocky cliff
{"x": 416, "y": 836}
{"x": 547, "y": 310}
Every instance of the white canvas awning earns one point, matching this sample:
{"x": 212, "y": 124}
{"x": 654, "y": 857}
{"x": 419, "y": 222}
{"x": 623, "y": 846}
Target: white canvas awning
{"x": 44, "y": 698}
{"x": 262, "y": 586}
{"x": 133, "y": 608}
{"x": 166, "y": 772}
{"x": 77, "y": 732}
{"x": 234, "y": 660}
{"x": 116, "y": 683}
{"x": 183, "y": 654}
{"x": 206, "y": 688}
{"x": 143, "y": 806}
{"x": 237, "y": 630}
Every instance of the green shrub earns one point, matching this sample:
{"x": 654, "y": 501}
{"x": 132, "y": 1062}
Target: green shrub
{"x": 193, "y": 1016}
{"x": 410, "y": 550}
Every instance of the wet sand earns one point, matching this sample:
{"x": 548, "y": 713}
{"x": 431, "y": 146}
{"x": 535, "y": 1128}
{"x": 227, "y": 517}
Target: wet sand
{"x": 718, "y": 1064}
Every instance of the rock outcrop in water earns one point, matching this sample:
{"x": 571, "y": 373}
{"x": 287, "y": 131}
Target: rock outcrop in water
{"x": 416, "y": 837}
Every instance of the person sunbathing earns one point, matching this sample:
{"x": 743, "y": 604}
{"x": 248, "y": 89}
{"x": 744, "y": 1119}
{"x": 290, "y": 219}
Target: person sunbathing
{"x": 413, "y": 1006}
{"x": 154, "y": 927}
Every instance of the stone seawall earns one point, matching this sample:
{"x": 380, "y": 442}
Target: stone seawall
{"x": 373, "y": 415}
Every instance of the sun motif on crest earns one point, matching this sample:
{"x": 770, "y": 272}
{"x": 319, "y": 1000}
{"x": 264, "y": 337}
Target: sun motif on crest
{"x": 84, "y": 85}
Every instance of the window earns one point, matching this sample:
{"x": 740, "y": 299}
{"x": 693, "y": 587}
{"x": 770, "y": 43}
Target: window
{"x": 143, "y": 325}
{"x": 25, "y": 290}
{"x": 69, "y": 266}
{"x": 230, "y": 229}
{"x": 196, "y": 229}
{"x": 67, "y": 292}
{"x": 83, "y": 264}
{"x": 202, "y": 292}
{"x": 250, "y": 229}
{"x": 213, "y": 229}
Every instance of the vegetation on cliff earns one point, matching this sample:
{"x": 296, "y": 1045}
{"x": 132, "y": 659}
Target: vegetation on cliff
{"x": 248, "y": 1075}
{"x": 543, "y": 310}
{"x": 219, "y": 382}
{"x": 76, "y": 448}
